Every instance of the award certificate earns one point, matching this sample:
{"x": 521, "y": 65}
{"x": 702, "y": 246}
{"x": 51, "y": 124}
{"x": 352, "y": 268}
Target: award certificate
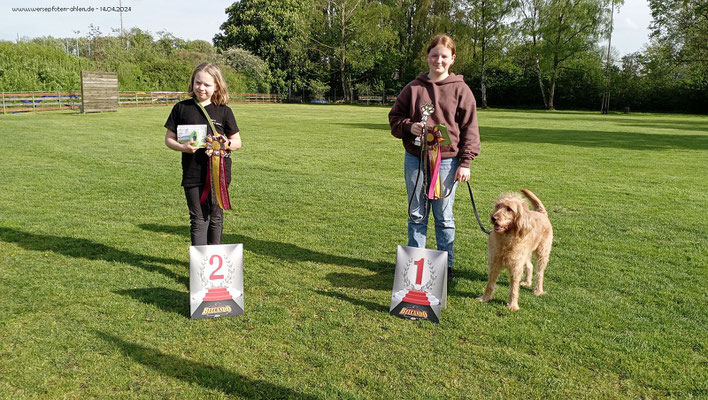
{"x": 192, "y": 133}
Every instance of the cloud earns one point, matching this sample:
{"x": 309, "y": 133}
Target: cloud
{"x": 630, "y": 24}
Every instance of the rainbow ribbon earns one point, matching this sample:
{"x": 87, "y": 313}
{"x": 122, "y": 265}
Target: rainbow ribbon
{"x": 216, "y": 149}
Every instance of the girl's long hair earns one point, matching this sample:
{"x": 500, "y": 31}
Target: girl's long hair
{"x": 221, "y": 92}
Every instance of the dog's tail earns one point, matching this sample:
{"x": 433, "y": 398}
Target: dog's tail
{"x": 535, "y": 201}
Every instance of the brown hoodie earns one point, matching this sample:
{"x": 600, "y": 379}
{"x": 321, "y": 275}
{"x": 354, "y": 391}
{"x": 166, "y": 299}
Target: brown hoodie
{"x": 455, "y": 107}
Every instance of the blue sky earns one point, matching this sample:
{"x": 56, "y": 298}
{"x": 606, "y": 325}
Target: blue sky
{"x": 201, "y": 19}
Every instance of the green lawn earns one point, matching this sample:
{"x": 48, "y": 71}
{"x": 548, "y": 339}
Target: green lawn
{"x": 94, "y": 261}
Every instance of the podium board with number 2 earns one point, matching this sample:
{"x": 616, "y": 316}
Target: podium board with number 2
{"x": 215, "y": 280}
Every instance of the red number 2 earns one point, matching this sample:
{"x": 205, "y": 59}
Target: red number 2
{"x": 211, "y": 262}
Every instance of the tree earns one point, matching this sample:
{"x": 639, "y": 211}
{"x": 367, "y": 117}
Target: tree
{"x": 415, "y": 22}
{"x": 318, "y": 89}
{"x": 248, "y": 63}
{"x": 274, "y": 30}
{"x": 530, "y": 30}
{"x": 354, "y": 36}
{"x": 560, "y": 31}
{"x": 488, "y": 22}
{"x": 680, "y": 28}
{"x": 628, "y": 82}
{"x": 605, "y": 108}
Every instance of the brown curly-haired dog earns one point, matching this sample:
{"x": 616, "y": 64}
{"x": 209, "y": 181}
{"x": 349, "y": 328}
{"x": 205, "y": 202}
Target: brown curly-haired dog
{"x": 518, "y": 231}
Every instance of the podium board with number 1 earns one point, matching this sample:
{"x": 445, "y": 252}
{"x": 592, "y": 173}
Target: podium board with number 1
{"x": 420, "y": 283}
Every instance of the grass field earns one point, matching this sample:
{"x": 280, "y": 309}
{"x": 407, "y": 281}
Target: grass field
{"x": 94, "y": 261}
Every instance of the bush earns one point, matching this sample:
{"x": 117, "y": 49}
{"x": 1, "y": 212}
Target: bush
{"x": 142, "y": 63}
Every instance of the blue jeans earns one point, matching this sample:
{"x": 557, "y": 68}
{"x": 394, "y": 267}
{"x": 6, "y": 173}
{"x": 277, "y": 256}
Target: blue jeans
{"x": 442, "y": 208}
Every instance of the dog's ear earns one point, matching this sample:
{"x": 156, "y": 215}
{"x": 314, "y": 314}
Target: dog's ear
{"x": 521, "y": 218}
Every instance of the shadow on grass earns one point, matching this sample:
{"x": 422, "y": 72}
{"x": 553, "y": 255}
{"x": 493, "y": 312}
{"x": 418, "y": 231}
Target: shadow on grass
{"x": 208, "y": 376}
{"x": 376, "y": 307}
{"x": 591, "y": 139}
{"x": 668, "y": 124}
{"x": 90, "y": 250}
{"x": 383, "y": 280}
{"x": 165, "y": 299}
{"x": 475, "y": 276}
{"x": 595, "y": 139}
{"x": 280, "y": 250}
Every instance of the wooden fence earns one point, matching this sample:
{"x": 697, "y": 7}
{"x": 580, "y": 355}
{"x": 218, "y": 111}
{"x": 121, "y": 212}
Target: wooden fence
{"x": 377, "y": 99}
{"x": 18, "y": 102}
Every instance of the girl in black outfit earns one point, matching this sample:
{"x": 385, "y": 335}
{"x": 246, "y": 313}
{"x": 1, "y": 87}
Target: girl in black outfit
{"x": 207, "y": 86}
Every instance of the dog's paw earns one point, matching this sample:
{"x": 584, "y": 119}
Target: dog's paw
{"x": 512, "y": 307}
{"x": 482, "y": 299}
{"x": 539, "y": 292}
{"x": 527, "y": 284}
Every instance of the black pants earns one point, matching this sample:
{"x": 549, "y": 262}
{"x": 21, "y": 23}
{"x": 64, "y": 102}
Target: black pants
{"x": 206, "y": 222}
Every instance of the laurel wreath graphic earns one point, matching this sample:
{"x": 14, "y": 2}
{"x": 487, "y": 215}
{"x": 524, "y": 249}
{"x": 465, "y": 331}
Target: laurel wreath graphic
{"x": 229, "y": 275}
{"x": 428, "y": 287}
{"x": 231, "y": 271}
{"x": 406, "y": 280}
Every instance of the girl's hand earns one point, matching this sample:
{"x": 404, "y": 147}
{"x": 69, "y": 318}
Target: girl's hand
{"x": 417, "y": 128}
{"x": 462, "y": 174}
{"x": 189, "y": 148}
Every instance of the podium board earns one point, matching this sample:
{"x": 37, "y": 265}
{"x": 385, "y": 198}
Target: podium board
{"x": 420, "y": 283}
{"x": 215, "y": 280}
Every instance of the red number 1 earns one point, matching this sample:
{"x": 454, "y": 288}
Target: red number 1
{"x": 419, "y": 274}
{"x": 211, "y": 262}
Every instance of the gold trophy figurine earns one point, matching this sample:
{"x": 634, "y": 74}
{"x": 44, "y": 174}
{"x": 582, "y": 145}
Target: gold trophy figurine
{"x": 426, "y": 109}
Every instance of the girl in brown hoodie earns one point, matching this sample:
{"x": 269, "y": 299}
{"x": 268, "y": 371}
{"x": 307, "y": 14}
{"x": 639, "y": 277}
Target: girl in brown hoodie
{"x": 455, "y": 107}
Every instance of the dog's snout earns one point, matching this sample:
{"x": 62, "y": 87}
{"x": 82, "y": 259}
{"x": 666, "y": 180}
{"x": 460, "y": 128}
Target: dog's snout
{"x": 494, "y": 218}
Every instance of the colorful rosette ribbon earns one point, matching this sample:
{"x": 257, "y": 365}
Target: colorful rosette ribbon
{"x": 433, "y": 138}
{"x": 216, "y": 149}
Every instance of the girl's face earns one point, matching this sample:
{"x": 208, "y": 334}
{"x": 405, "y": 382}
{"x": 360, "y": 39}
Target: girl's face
{"x": 440, "y": 58}
{"x": 203, "y": 86}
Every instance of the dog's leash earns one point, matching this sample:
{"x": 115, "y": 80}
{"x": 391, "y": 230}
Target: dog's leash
{"x": 426, "y": 200}
{"x": 415, "y": 189}
{"x": 423, "y": 170}
{"x": 474, "y": 207}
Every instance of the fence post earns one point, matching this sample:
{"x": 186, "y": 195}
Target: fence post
{"x": 58, "y": 100}
{"x": 4, "y": 110}
{"x": 136, "y": 99}
{"x": 34, "y": 105}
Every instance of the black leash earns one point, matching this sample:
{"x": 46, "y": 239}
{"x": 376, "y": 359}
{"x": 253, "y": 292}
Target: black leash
{"x": 474, "y": 207}
{"x": 422, "y": 169}
{"x": 415, "y": 187}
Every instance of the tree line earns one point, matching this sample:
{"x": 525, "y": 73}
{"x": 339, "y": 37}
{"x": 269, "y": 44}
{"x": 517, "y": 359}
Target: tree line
{"x": 143, "y": 62}
{"x": 519, "y": 53}
{"x": 513, "y": 53}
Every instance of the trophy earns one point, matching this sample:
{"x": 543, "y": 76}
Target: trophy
{"x": 426, "y": 109}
